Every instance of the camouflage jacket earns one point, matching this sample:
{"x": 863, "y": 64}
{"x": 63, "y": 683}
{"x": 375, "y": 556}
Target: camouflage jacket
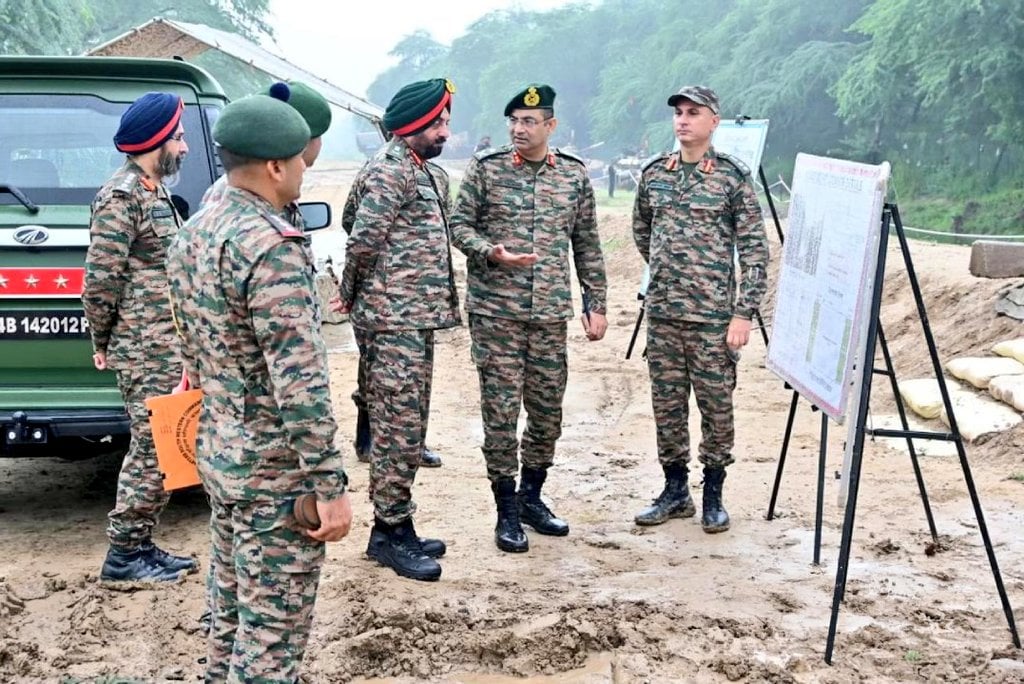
{"x": 125, "y": 291}
{"x": 398, "y": 262}
{"x": 242, "y": 293}
{"x": 503, "y": 201}
{"x": 690, "y": 229}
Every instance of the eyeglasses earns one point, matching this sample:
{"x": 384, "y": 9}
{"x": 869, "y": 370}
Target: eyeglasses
{"x": 178, "y": 137}
{"x": 528, "y": 122}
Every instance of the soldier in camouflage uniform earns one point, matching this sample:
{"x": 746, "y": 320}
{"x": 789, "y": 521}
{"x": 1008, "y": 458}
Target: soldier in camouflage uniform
{"x": 125, "y": 300}
{"x": 694, "y": 210}
{"x": 316, "y": 112}
{"x": 399, "y": 286}
{"x": 520, "y": 209}
{"x": 242, "y": 291}
{"x": 363, "y": 442}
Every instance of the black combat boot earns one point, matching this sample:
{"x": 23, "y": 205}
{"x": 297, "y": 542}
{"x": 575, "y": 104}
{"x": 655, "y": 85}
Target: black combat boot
{"x": 169, "y": 560}
{"x": 135, "y": 565}
{"x": 430, "y": 458}
{"x": 674, "y": 500}
{"x": 400, "y": 550}
{"x": 533, "y": 511}
{"x": 508, "y": 533}
{"x": 715, "y": 518}
{"x": 431, "y": 548}
{"x": 363, "y": 442}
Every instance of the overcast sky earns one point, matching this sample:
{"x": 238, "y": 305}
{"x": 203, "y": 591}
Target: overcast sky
{"x": 348, "y": 43}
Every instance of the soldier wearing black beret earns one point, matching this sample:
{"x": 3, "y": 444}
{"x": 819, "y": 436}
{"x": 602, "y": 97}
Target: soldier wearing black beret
{"x": 522, "y": 210}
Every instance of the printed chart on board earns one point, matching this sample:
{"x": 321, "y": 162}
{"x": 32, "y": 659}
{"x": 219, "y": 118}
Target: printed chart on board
{"x": 828, "y": 267}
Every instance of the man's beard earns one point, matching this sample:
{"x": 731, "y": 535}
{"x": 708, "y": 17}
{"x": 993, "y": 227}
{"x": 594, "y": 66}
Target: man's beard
{"x": 431, "y": 151}
{"x": 168, "y": 164}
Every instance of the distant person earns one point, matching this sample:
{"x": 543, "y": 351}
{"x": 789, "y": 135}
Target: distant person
{"x": 132, "y": 223}
{"x": 242, "y": 287}
{"x": 613, "y": 179}
{"x": 694, "y": 210}
{"x": 399, "y": 287}
{"x": 485, "y": 143}
{"x": 520, "y": 210}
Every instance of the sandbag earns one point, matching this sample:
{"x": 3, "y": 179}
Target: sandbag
{"x": 1008, "y": 389}
{"x": 922, "y": 396}
{"x": 979, "y": 417}
{"x": 1013, "y": 349}
{"x": 978, "y": 370}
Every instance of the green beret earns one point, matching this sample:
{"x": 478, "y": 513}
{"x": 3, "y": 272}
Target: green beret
{"x": 534, "y": 96}
{"x": 261, "y": 127}
{"x": 415, "y": 106}
{"x": 309, "y": 103}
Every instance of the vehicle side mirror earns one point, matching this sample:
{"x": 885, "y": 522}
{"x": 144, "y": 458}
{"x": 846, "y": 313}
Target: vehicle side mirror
{"x": 315, "y": 215}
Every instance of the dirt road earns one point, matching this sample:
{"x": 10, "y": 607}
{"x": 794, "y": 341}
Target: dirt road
{"x": 612, "y": 602}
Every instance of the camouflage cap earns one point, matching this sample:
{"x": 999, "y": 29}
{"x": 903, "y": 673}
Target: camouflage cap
{"x": 698, "y": 94}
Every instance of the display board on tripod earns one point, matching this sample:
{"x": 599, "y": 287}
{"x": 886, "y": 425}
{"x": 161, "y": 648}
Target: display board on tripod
{"x": 828, "y": 265}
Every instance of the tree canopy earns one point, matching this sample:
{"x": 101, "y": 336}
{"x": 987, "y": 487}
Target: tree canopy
{"x": 931, "y": 85}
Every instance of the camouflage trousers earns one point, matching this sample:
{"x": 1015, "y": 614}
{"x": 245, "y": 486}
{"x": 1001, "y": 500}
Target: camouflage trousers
{"x": 363, "y": 338}
{"x": 520, "y": 364}
{"x": 681, "y": 355}
{"x": 266, "y": 574}
{"x": 400, "y": 368}
{"x": 140, "y": 488}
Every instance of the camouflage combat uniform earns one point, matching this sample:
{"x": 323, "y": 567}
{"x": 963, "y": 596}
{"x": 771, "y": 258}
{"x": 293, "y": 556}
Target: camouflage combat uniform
{"x": 688, "y": 226}
{"x": 517, "y": 316}
{"x": 348, "y": 219}
{"x": 399, "y": 278}
{"x": 125, "y": 301}
{"x": 242, "y": 292}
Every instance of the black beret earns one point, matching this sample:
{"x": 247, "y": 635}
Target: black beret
{"x": 261, "y": 127}
{"x": 534, "y": 96}
{"x": 415, "y": 106}
{"x": 148, "y": 123}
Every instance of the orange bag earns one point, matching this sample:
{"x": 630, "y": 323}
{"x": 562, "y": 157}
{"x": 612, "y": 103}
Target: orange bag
{"x": 173, "y": 419}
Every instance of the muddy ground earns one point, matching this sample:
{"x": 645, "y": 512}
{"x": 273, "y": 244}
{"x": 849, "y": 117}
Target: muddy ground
{"x": 611, "y": 602}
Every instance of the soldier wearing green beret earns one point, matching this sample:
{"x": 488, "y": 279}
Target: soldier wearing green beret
{"x": 695, "y": 215}
{"x": 242, "y": 294}
{"x": 521, "y": 209}
{"x": 399, "y": 285}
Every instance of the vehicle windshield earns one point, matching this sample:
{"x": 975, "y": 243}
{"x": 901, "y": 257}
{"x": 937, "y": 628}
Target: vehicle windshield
{"x": 59, "y": 149}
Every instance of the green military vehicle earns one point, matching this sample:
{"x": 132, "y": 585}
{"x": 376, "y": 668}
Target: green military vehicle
{"x": 58, "y": 116}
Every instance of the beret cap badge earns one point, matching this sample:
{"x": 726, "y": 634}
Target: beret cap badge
{"x": 532, "y": 98}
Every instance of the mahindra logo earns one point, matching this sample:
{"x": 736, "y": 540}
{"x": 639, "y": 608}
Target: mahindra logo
{"x": 31, "y": 235}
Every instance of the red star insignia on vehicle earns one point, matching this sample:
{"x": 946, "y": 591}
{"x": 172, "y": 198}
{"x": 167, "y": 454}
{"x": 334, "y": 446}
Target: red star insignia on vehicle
{"x": 3, "y": 281}
{"x": 61, "y": 281}
{"x": 31, "y": 281}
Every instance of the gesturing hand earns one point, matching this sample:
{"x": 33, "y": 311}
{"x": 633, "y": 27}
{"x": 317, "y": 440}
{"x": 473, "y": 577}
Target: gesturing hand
{"x": 501, "y": 255}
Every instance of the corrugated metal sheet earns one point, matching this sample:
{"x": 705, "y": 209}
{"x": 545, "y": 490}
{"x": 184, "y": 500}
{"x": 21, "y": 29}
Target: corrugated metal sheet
{"x": 167, "y": 38}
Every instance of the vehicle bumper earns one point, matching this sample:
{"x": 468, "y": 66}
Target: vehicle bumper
{"x": 38, "y": 426}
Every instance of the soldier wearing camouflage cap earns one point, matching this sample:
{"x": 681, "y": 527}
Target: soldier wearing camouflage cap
{"x": 132, "y": 223}
{"x": 520, "y": 210}
{"x": 242, "y": 292}
{"x": 694, "y": 210}
{"x": 399, "y": 285}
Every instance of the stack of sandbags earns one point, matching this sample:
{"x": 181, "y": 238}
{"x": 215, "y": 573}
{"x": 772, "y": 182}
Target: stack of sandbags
{"x": 1008, "y": 389}
{"x": 1013, "y": 349}
{"x": 979, "y": 417}
{"x": 922, "y": 395}
{"x": 979, "y": 370}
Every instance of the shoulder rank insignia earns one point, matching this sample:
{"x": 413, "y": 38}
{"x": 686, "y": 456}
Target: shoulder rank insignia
{"x": 283, "y": 227}
{"x": 492, "y": 152}
{"x": 651, "y": 161}
{"x": 570, "y": 155}
{"x": 735, "y": 161}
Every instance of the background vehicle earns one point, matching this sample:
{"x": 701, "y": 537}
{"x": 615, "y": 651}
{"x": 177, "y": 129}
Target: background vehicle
{"x": 58, "y": 116}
